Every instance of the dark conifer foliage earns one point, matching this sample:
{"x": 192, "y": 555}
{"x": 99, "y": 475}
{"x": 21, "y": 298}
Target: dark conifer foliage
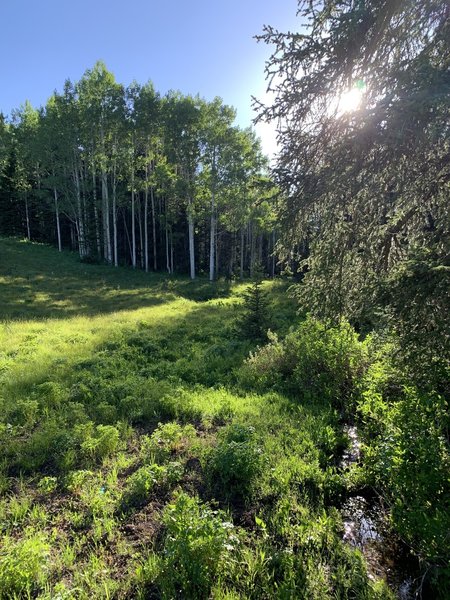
{"x": 362, "y": 96}
{"x": 255, "y": 320}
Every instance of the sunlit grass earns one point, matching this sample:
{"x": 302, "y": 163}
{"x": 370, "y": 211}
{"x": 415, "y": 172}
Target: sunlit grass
{"x": 92, "y": 359}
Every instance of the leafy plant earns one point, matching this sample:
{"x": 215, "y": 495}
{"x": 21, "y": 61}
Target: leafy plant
{"x": 23, "y": 565}
{"x": 167, "y": 439}
{"x": 199, "y": 541}
{"x": 141, "y": 483}
{"x": 235, "y": 463}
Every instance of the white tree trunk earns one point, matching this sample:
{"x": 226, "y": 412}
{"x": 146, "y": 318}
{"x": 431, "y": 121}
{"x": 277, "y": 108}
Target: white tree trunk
{"x": 79, "y": 222}
{"x": 114, "y": 215}
{"x": 97, "y": 228}
{"x": 141, "y": 236}
{"x": 191, "y": 241}
{"x": 152, "y": 198}
{"x": 106, "y": 225}
{"x": 133, "y": 226}
{"x": 146, "y": 229}
{"x": 212, "y": 239}
{"x": 58, "y": 226}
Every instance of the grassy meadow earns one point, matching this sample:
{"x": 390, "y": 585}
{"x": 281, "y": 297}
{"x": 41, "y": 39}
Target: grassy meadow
{"x": 140, "y": 455}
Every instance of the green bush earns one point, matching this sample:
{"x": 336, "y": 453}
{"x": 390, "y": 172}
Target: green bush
{"x": 47, "y": 485}
{"x": 167, "y": 439}
{"x": 199, "y": 541}
{"x": 235, "y": 463}
{"x": 141, "y": 483}
{"x": 313, "y": 363}
{"x": 96, "y": 443}
{"x": 45, "y": 448}
{"x": 407, "y": 457}
{"x": 23, "y": 566}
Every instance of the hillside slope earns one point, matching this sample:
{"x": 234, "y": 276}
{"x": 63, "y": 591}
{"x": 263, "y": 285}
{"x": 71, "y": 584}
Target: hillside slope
{"x": 138, "y": 459}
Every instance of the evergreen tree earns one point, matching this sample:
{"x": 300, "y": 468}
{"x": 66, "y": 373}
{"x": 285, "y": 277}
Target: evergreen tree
{"x": 255, "y": 321}
{"x": 362, "y": 96}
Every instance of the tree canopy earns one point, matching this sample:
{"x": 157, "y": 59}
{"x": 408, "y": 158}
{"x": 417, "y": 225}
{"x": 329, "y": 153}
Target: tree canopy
{"x": 128, "y": 176}
{"x": 361, "y": 98}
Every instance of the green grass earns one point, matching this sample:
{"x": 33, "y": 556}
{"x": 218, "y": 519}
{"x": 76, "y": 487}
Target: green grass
{"x": 135, "y": 463}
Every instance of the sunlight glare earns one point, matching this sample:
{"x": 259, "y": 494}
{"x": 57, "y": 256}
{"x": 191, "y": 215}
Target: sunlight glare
{"x": 350, "y": 100}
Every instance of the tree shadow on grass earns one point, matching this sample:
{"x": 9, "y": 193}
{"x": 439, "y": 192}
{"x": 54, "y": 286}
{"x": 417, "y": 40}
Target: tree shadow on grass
{"x": 37, "y": 282}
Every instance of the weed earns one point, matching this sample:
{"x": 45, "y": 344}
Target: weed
{"x": 198, "y": 542}
{"x": 23, "y": 565}
{"x": 235, "y": 463}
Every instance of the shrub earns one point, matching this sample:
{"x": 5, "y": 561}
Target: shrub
{"x": 235, "y": 463}
{"x": 198, "y": 542}
{"x": 23, "y": 566}
{"x": 410, "y": 460}
{"x": 314, "y": 362}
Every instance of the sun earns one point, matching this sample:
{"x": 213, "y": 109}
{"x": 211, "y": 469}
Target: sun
{"x": 350, "y": 100}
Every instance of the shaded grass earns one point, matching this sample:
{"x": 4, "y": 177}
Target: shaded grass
{"x": 38, "y": 283}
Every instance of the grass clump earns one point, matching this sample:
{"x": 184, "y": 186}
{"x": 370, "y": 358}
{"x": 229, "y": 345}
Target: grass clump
{"x": 24, "y": 565}
{"x": 236, "y": 462}
{"x": 199, "y": 542}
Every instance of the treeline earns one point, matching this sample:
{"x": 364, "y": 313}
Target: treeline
{"x": 127, "y": 176}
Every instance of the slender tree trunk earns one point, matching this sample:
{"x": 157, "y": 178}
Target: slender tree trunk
{"x": 133, "y": 225}
{"x": 217, "y": 251}
{"x": 146, "y": 228}
{"x": 232, "y": 255}
{"x": 260, "y": 249}
{"x": 97, "y": 232}
{"x": 27, "y": 216}
{"x": 87, "y": 248}
{"x": 241, "y": 266}
{"x": 252, "y": 250}
{"x": 114, "y": 215}
{"x": 58, "y": 226}
{"x": 106, "y": 224}
{"x": 141, "y": 236}
{"x": 273, "y": 255}
{"x": 79, "y": 222}
{"x": 126, "y": 232}
{"x": 97, "y": 228}
{"x": 161, "y": 203}
{"x": 191, "y": 241}
{"x": 212, "y": 239}
{"x": 152, "y": 198}
{"x": 167, "y": 249}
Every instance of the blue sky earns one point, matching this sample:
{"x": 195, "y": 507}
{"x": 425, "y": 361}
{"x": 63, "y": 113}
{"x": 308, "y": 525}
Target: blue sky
{"x": 196, "y": 46}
